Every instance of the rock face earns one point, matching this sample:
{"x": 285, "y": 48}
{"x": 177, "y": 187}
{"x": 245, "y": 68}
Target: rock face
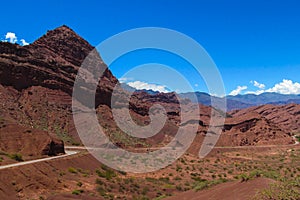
{"x": 30, "y": 143}
{"x": 36, "y": 82}
{"x": 253, "y": 129}
{"x": 51, "y": 62}
{"x": 287, "y": 117}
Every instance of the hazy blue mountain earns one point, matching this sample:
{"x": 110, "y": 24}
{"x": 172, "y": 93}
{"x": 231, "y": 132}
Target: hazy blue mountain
{"x": 206, "y": 99}
{"x": 263, "y": 98}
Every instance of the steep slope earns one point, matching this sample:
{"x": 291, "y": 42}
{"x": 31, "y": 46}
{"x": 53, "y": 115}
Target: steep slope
{"x": 36, "y": 84}
{"x": 287, "y": 117}
{"x": 252, "y": 129}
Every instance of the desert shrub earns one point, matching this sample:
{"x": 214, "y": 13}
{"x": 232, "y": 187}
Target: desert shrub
{"x": 106, "y": 173}
{"x": 101, "y": 190}
{"x": 79, "y": 184}
{"x": 16, "y": 156}
{"x": 72, "y": 170}
{"x": 244, "y": 177}
{"x": 152, "y": 180}
{"x": 164, "y": 179}
{"x": 206, "y": 184}
{"x": 123, "y": 173}
{"x": 77, "y": 192}
{"x": 286, "y": 190}
{"x": 201, "y": 185}
{"x": 179, "y": 187}
{"x": 271, "y": 174}
{"x": 99, "y": 181}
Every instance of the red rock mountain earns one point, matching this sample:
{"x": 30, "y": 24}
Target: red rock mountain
{"x": 286, "y": 117}
{"x": 36, "y": 85}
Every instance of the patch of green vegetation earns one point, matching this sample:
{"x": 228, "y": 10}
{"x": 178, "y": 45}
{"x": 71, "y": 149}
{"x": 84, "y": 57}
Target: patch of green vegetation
{"x": 106, "y": 172}
{"x": 126, "y": 140}
{"x": 258, "y": 173}
{"x": 77, "y": 192}
{"x": 16, "y": 156}
{"x": 42, "y": 123}
{"x": 298, "y": 138}
{"x": 168, "y": 186}
{"x": 200, "y": 185}
{"x": 72, "y": 170}
{"x": 64, "y": 136}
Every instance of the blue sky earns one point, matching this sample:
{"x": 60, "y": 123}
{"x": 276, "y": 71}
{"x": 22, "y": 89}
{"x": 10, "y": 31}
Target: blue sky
{"x": 251, "y": 42}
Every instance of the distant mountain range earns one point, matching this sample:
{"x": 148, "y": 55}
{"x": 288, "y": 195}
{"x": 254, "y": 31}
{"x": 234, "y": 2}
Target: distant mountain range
{"x": 247, "y": 100}
{"x": 233, "y": 102}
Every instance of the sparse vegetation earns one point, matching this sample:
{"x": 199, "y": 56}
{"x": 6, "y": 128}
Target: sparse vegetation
{"x": 72, "y": 170}
{"x": 16, "y": 156}
{"x": 200, "y": 185}
{"x": 286, "y": 189}
{"x": 77, "y": 192}
{"x": 106, "y": 172}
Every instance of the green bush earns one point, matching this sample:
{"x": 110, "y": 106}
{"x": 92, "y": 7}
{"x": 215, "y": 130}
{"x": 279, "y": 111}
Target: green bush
{"x": 79, "y": 184}
{"x": 72, "y": 170}
{"x": 16, "y": 156}
{"x": 206, "y": 184}
{"x": 106, "y": 173}
{"x": 77, "y": 192}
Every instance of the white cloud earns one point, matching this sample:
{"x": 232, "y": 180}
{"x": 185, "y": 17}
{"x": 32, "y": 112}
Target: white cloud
{"x": 257, "y": 92}
{"x": 11, "y": 37}
{"x": 286, "y": 87}
{"x": 238, "y": 90}
{"x": 139, "y": 85}
{"x": 259, "y": 85}
{"x": 122, "y": 80}
{"x": 196, "y": 85}
{"x": 125, "y": 79}
{"x": 23, "y": 42}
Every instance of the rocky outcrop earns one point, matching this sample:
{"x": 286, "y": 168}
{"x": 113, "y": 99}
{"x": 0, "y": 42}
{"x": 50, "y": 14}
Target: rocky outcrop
{"x": 287, "y": 117}
{"x": 36, "y": 82}
{"x": 252, "y": 129}
{"x": 30, "y": 143}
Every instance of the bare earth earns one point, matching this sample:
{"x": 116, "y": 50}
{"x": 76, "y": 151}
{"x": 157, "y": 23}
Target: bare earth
{"x": 228, "y": 191}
